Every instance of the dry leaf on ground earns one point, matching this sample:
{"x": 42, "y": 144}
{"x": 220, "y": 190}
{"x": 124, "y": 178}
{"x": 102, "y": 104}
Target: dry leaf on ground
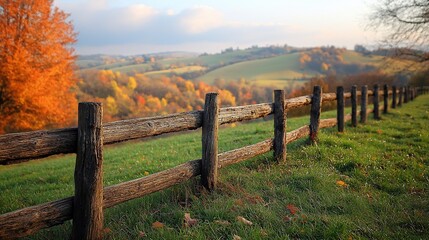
{"x": 292, "y": 209}
{"x": 188, "y": 221}
{"x": 222, "y": 222}
{"x": 243, "y": 220}
{"x": 157, "y": 225}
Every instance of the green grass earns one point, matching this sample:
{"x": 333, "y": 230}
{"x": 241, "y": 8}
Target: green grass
{"x": 176, "y": 70}
{"x": 280, "y": 68}
{"x": 384, "y": 165}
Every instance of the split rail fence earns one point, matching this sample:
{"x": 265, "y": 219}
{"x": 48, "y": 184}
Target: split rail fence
{"x": 87, "y": 140}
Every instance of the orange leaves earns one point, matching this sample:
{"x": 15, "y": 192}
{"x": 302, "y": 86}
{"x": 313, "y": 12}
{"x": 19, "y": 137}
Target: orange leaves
{"x": 36, "y": 74}
{"x": 292, "y": 209}
{"x": 341, "y": 183}
{"x": 157, "y": 225}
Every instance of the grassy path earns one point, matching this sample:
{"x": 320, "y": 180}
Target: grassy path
{"x": 371, "y": 182}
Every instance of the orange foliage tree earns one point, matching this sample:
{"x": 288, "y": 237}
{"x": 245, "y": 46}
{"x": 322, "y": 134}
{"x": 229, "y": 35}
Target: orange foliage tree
{"x": 36, "y": 66}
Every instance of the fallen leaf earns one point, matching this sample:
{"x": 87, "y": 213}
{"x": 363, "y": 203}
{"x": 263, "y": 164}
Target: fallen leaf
{"x": 188, "y": 221}
{"x": 379, "y": 131}
{"x": 243, "y": 220}
{"x": 239, "y": 202}
{"x": 341, "y": 183}
{"x": 146, "y": 173}
{"x": 236, "y": 237}
{"x": 107, "y": 230}
{"x": 157, "y": 225}
{"x": 142, "y": 234}
{"x": 222, "y": 222}
{"x": 287, "y": 219}
{"x": 292, "y": 209}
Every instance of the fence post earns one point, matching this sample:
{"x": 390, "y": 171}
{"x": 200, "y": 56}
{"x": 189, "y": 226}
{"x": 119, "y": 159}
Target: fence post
{"x": 340, "y": 109}
{"x": 393, "y": 96}
{"x": 354, "y": 105}
{"x": 401, "y": 96}
{"x": 88, "y": 175}
{"x": 376, "y": 103}
{"x": 210, "y": 161}
{"x": 385, "y": 98}
{"x": 316, "y": 105}
{"x": 412, "y": 94}
{"x": 363, "y": 104}
{"x": 406, "y": 94}
{"x": 280, "y": 148}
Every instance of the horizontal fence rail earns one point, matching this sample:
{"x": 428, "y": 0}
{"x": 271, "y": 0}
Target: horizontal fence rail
{"x": 38, "y": 144}
{"x": 22, "y": 146}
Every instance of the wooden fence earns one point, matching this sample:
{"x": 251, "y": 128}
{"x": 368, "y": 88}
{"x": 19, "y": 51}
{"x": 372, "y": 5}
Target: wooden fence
{"x": 86, "y": 206}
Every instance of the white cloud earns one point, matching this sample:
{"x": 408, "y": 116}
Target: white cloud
{"x": 200, "y": 19}
{"x": 140, "y": 28}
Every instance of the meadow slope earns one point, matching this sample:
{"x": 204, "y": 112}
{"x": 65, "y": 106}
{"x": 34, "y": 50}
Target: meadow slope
{"x": 370, "y": 182}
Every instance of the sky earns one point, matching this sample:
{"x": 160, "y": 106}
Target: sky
{"x": 132, "y": 27}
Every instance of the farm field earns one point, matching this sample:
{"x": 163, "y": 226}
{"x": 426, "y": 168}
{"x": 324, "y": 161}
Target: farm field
{"x": 283, "y": 70}
{"x": 369, "y": 182}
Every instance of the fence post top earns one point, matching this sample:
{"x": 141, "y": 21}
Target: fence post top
{"x": 91, "y": 103}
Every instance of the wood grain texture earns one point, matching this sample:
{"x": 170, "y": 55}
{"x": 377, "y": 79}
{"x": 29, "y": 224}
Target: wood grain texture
{"x": 376, "y": 103}
{"x": 385, "y": 98}
{"x": 406, "y": 94}
{"x": 26, "y": 145}
{"x": 394, "y": 100}
{"x": 364, "y": 104}
{"x": 296, "y": 134}
{"x": 30, "y": 220}
{"x": 88, "y": 176}
{"x": 329, "y": 97}
{"x": 244, "y": 113}
{"x": 209, "y": 168}
{"x": 354, "y": 105}
{"x": 279, "y": 126}
{"x": 401, "y": 95}
{"x": 340, "y": 109}
{"x": 316, "y": 108}
{"x": 329, "y": 122}
{"x": 136, "y": 188}
{"x": 244, "y": 153}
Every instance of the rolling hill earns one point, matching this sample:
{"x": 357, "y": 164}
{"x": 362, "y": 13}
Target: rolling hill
{"x": 263, "y": 66}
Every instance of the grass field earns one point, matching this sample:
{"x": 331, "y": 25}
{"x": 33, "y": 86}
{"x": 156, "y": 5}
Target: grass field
{"x": 176, "y": 70}
{"x": 370, "y": 182}
{"x": 280, "y": 68}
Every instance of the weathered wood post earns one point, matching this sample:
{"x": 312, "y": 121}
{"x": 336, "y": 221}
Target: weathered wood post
{"x": 354, "y": 105}
{"x": 394, "y": 97}
{"x": 280, "y": 121}
{"x": 210, "y": 161}
{"x": 385, "y": 98}
{"x": 316, "y": 106}
{"x": 406, "y": 94}
{"x": 340, "y": 109}
{"x": 401, "y": 96}
{"x": 88, "y": 174}
{"x": 363, "y": 104}
{"x": 412, "y": 94}
{"x": 376, "y": 103}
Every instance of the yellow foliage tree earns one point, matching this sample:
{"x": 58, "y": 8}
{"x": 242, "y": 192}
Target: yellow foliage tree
{"x": 36, "y": 66}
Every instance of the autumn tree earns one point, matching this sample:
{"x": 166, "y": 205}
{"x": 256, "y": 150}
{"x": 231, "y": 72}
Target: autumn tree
{"x": 36, "y": 66}
{"x": 405, "y": 24}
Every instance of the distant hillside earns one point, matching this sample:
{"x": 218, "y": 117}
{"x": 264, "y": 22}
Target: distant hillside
{"x": 280, "y": 66}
